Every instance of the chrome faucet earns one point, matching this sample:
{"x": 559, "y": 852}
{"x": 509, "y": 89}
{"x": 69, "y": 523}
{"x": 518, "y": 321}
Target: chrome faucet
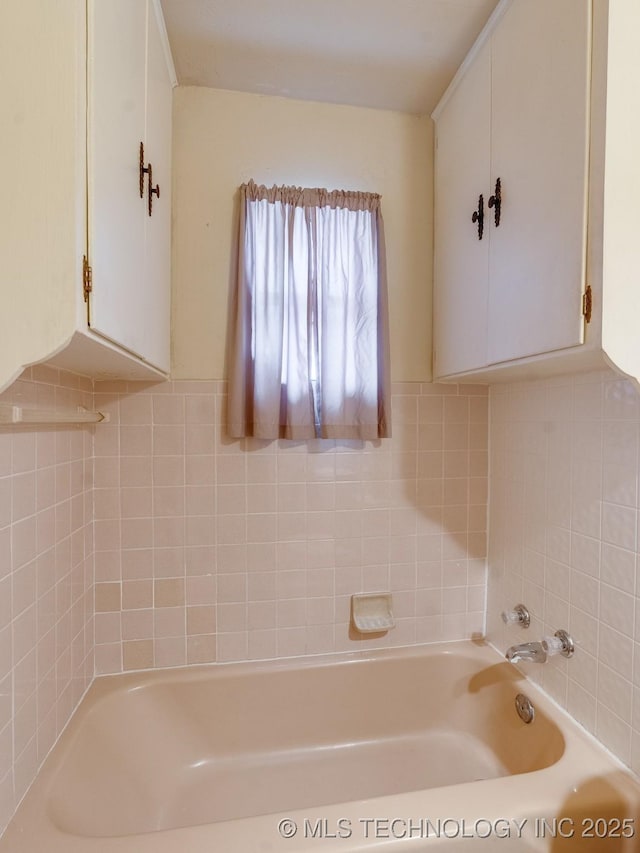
{"x": 560, "y": 644}
{"x": 534, "y": 652}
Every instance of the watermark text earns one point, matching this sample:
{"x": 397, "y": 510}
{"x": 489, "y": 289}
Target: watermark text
{"x": 449, "y": 828}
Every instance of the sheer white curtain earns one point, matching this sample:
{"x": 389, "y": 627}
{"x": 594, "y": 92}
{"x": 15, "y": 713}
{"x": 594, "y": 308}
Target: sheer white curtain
{"x": 309, "y": 340}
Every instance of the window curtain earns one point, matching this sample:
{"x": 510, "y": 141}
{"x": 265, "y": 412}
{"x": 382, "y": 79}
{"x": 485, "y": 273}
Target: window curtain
{"x": 309, "y": 354}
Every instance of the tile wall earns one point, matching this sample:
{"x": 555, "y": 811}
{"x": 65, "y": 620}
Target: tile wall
{"x": 206, "y": 550}
{"x": 46, "y": 577}
{"x": 564, "y": 474}
{"x": 212, "y": 550}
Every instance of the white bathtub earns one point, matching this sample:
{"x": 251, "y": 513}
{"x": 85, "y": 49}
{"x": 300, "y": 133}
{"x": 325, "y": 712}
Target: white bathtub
{"x": 416, "y": 749}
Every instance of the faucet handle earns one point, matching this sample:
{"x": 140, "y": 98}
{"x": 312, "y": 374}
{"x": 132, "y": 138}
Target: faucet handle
{"x": 518, "y": 616}
{"x": 560, "y": 644}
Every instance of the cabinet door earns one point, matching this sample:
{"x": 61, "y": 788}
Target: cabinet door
{"x": 116, "y": 92}
{"x": 539, "y": 150}
{"x": 157, "y": 262}
{"x": 461, "y": 259}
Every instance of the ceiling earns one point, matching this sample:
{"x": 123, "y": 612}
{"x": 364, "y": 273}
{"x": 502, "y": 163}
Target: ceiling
{"x": 385, "y": 54}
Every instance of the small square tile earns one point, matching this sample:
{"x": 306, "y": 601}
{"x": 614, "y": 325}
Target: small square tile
{"x": 168, "y": 592}
{"x": 137, "y": 654}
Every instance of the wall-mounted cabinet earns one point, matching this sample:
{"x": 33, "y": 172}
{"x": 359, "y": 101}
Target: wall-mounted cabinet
{"x": 95, "y": 83}
{"x": 534, "y": 177}
{"x": 461, "y": 274}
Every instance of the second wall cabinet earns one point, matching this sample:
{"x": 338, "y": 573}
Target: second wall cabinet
{"x": 529, "y": 147}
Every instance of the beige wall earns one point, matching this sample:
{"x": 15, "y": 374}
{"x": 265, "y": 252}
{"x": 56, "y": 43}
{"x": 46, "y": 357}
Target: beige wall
{"x": 222, "y": 139}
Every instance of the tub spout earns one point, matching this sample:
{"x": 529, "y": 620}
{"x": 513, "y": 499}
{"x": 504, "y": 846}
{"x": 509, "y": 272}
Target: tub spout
{"x": 535, "y": 652}
{"x": 560, "y": 644}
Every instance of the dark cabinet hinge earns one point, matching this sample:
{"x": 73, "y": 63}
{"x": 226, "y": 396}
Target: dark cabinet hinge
{"x": 87, "y": 278}
{"x": 587, "y": 304}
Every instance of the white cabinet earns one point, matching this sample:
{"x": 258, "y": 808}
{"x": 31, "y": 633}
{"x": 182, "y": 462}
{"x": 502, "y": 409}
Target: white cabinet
{"x": 157, "y": 259}
{"x": 117, "y": 61}
{"x": 462, "y": 258}
{"x": 130, "y": 103}
{"x": 540, "y": 67}
{"x": 558, "y": 133}
{"x": 84, "y": 83}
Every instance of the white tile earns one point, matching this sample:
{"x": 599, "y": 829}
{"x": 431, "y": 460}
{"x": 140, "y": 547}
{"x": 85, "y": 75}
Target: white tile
{"x": 614, "y": 733}
{"x": 615, "y": 692}
{"x": 584, "y": 630}
{"x": 617, "y": 609}
{"x": 587, "y": 401}
{"x": 621, "y": 400}
{"x": 581, "y": 705}
{"x": 585, "y": 592}
{"x": 619, "y": 525}
{"x": 616, "y": 651}
{"x": 558, "y": 579}
{"x": 585, "y": 554}
{"x": 620, "y": 484}
{"x": 584, "y": 670}
{"x": 618, "y": 567}
{"x": 586, "y": 499}
{"x": 559, "y": 544}
{"x": 556, "y": 684}
{"x": 635, "y": 718}
{"x": 620, "y": 445}
{"x": 636, "y": 663}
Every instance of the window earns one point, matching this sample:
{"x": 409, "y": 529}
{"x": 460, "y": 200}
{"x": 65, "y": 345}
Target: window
{"x": 309, "y": 337}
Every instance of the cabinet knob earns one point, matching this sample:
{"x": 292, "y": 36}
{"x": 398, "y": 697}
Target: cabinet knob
{"x": 478, "y": 216}
{"x": 495, "y": 201}
{"x": 152, "y": 190}
{"x": 142, "y": 170}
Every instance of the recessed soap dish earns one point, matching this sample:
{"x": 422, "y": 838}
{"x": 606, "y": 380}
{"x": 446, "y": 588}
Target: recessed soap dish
{"x": 371, "y": 612}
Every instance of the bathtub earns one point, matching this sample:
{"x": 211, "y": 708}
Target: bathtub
{"x": 409, "y": 749}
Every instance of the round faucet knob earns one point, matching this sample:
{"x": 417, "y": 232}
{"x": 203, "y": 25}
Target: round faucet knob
{"x": 560, "y": 644}
{"x": 518, "y": 616}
